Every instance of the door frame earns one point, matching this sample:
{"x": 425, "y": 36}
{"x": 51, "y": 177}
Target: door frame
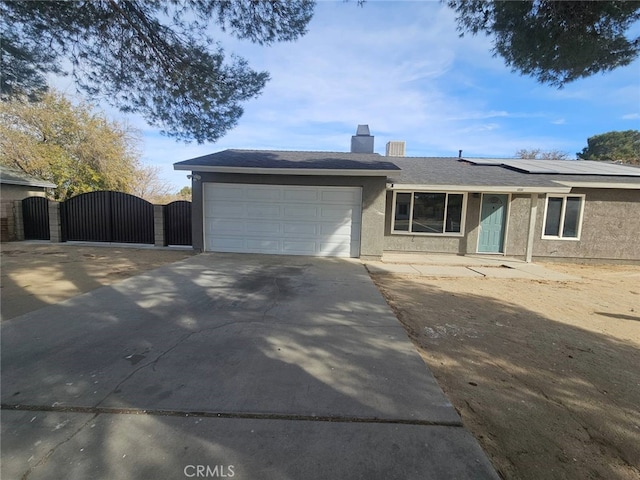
{"x": 505, "y": 224}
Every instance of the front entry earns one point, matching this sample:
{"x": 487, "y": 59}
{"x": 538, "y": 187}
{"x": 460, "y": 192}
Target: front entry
{"x": 492, "y": 223}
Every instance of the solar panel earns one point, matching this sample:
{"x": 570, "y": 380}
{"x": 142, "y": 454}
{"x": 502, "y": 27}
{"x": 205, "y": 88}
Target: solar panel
{"x": 566, "y": 167}
{"x": 485, "y": 161}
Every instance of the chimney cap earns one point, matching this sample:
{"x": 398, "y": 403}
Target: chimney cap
{"x": 363, "y": 130}
{"x": 362, "y": 141}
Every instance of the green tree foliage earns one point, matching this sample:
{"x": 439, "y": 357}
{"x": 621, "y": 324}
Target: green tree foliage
{"x": 70, "y": 145}
{"x": 618, "y": 146}
{"x": 185, "y": 193}
{"x": 556, "y": 42}
{"x": 539, "y": 154}
{"x": 152, "y": 57}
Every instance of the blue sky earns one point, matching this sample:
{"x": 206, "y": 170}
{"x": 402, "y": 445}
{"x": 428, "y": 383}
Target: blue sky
{"x": 401, "y": 68}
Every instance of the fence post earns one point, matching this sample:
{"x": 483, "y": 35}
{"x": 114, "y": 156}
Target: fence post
{"x": 158, "y": 226}
{"x": 55, "y": 226}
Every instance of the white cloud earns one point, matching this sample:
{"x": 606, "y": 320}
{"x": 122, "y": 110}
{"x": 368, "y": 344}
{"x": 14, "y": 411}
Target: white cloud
{"x": 401, "y": 68}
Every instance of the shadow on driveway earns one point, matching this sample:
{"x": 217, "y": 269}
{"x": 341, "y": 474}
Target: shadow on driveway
{"x": 284, "y": 367}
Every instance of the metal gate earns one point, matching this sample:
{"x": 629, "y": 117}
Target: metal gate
{"x": 107, "y": 217}
{"x": 177, "y": 223}
{"x": 35, "y": 218}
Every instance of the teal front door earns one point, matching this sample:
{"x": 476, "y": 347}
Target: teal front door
{"x": 492, "y": 220}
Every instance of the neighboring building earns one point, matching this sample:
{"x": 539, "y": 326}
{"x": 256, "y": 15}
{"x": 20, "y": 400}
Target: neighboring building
{"x": 361, "y": 204}
{"x": 16, "y": 186}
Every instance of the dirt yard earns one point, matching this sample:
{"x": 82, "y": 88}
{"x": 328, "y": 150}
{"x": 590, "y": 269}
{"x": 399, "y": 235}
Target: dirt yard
{"x": 37, "y": 274}
{"x": 545, "y": 374}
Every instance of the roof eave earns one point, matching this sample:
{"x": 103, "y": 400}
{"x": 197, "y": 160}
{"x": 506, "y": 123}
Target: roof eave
{"x": 479, "y": 188}
{"x": 579, "y": 184}
{"x": 286, "y": 171}
{"x": 26, "y": 183}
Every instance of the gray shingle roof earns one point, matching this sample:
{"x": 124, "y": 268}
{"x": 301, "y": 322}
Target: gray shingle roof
{"x": 291, "y": 160}
{"x": 10, "y": 176}
{"x": 453, "y": 171}
{"x": 399, "y": 170}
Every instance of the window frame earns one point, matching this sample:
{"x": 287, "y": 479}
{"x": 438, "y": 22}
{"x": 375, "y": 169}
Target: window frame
{"x": 444, "y": 233}
{"x": 564, "y": 197}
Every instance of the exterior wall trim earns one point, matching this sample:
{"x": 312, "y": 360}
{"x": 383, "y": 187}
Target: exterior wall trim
{"x": 286, "y": 171}
{"x": 477, "y": 188}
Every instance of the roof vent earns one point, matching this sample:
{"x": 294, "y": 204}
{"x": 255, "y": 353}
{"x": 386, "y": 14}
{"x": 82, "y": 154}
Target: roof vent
{"x": 362, "y": 141}
{"x": 396, "y": 149}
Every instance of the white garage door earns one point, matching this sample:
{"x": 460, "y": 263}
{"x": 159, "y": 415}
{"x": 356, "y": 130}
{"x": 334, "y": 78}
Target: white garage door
{"x": 282, "y": 219}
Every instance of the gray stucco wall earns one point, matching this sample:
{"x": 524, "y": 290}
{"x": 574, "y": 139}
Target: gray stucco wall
{"x": 610, "y": 228}
{"x": 459, "y": 245}
{"x": 518, "y": 225}
{"x": 19, "y": 192}
{"x": 373, "y": 202}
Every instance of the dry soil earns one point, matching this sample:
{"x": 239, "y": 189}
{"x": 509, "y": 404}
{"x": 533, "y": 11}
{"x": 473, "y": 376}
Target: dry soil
{"x": 34, "y": 275}
{"x": 545, "y": 374}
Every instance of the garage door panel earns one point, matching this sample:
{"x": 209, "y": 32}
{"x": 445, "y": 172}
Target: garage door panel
{"x": 337, "y": 214}
{"x": 262, "y": 245}
{"x": 333, "y": 249}
{"x": 340, "y": 197}
{"x": 224, "y": 192}
{"x": 225, "y": 227}
{"x": 299, "y": 248}
{"x": 328, "y": 230}
{"x": 278, "y": 219}
{"x": 263, "y": 211}
{"x": 301, "y": 229}
{"x": 259, "y": 228}
{"x": 300, "y": 195}
{"x": 301, "y": 212}
{"x": 263, "y": 194}
{"x": 228, "y": 210}
{"x": 226, "y": 244}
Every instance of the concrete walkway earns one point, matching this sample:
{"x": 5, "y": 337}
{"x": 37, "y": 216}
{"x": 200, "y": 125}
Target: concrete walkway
{"x": 441, "y": 265}
{"x": 244, "y": 366}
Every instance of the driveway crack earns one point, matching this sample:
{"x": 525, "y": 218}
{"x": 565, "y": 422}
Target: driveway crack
{"x": 155, "y": 361}
{"x": 275, "y": 299}
{"x": 53, "y": 449}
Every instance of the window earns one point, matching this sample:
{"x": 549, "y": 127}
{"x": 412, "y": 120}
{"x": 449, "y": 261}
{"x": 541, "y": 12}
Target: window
{"x": 435, "y": 213}
{"x": 563, "y": 216}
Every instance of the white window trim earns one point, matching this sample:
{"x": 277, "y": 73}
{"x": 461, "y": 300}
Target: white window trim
{"x": 463, "y": 218}
{"x": 562, "y": 213}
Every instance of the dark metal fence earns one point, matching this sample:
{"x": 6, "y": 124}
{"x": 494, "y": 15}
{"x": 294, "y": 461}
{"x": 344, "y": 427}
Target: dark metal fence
{"x": 177, "y": 223}
{"x": 107, "y": 217}
{"x": 35, "y": 215}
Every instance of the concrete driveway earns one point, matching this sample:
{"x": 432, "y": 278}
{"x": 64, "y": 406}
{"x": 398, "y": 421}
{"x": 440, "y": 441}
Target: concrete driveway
{"x": 244, "y": 366}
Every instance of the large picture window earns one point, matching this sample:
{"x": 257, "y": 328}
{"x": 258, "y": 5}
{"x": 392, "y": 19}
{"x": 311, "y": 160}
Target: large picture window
{"x": 435, "y": 213}
{"x": 563, "y": 216}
